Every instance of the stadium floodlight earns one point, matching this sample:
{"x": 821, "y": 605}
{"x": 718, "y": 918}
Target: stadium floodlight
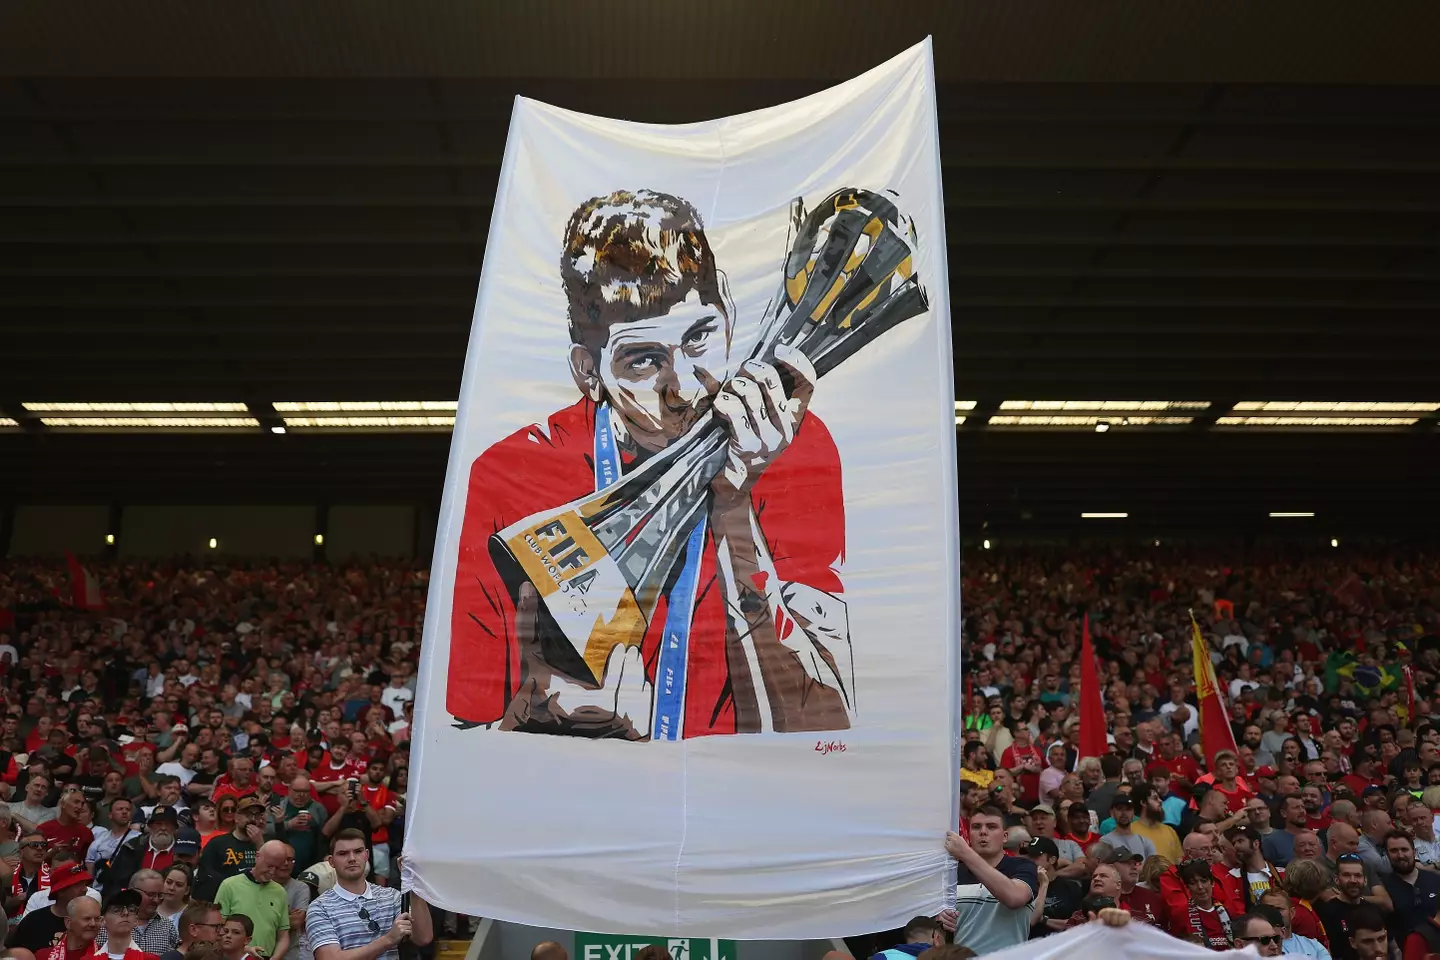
{"x": 1339, "y": 406}
{"x": 1104, "y": 516}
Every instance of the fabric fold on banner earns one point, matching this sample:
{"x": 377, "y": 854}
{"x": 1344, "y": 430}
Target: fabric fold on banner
{"x": 690, "y": 658}
{"x": 1134, "y": 941}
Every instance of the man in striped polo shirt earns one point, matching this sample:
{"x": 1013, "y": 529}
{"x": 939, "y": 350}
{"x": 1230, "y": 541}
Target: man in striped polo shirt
{"x": 357, "y": 920}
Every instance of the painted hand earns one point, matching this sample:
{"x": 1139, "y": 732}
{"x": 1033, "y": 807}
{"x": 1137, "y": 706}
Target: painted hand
{"x": 549, "y": 703}
{"x": 761, "y": 418}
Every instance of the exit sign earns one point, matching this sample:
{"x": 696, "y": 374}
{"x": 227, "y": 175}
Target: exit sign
{"x": 599, "y": 946}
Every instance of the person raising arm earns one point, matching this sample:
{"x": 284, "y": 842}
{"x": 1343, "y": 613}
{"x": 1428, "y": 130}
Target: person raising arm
{"x": 994, "y": 891}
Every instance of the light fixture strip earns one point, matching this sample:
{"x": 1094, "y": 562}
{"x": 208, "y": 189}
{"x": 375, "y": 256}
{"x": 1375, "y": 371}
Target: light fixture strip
{"x": 150, "y": 423}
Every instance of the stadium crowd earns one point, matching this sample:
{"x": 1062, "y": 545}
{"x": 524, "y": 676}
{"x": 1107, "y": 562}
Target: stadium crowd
{"x": 1315, "y": 836}
{"x": 212, "y": 760}
{"x": 216, "y": 760}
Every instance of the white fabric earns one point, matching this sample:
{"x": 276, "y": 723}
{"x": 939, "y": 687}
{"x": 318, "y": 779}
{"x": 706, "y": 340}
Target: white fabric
{"x": 755, "y": 836}
{"x": 1134, "y": 941}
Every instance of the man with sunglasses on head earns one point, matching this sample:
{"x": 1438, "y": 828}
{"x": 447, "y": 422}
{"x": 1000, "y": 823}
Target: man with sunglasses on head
{"x": 357, "y": 920}
{"x": 1352, "y": 890}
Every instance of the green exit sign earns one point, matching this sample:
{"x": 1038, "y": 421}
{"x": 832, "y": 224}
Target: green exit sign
{"x": 599, "y": 946}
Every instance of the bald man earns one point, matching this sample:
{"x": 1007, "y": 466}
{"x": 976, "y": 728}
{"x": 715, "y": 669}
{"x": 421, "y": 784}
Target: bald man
{"x": 1374, "y": 825}
{"x": 548, "y": 950}
{"x": 1227, "y": 890}
{"x": 255, "y": 894}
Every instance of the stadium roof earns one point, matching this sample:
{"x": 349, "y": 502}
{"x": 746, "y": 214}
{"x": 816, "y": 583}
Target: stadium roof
{"x": 1214, "y": 203}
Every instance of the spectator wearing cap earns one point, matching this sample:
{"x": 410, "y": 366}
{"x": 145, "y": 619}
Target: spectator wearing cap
{"x": 199, "y": 922}
{"x": 1279, "y": 846}
{"x": 233, "y": 853}
{"x": 1255, "y": 873}
{"x": 187, "y": 848}
{"x": 1146, "y": 905}
{"x": 56, "y": 859}
{"x": 46, "y": 928}
{"x": 920, "y": 934}
{"x": 117, "y": 930}
{"x": 1041, "y": 823}
{"x": 1122, "y": 808}
{"x": 82, "y": 923}
{"x": 1062, "y": 894}
{"x": 149, "y": 931}
{"x": 319, "y": 879}
{"x": 357, "y": 914}
{"x": 152, "y": 850}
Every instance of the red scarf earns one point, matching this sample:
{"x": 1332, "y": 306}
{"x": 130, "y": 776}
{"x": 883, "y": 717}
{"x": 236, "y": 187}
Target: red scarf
{"x": 17, "y": 883}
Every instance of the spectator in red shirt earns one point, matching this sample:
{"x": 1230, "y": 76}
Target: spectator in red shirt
{"x": 1227, "y": 781}
{"x": 329, "y": 778}
{"x": 1200, "y": 915}
{"x": 1023, "y": 760}
{"x": 239, "y": 781}
{"x": 379, "y": 798}
{"x": 68, "y": 828}
{"x": 82, "y": 923}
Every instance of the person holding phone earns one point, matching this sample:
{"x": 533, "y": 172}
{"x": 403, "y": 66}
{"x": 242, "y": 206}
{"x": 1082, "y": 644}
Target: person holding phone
{"x": 300, "y": 821}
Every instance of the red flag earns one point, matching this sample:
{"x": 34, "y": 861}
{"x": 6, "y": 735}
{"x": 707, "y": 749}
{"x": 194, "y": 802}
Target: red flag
{"x": 1093, "y": 742}
{"x": 84, "y": 588}
{"x": 1215, "y": 732}
{"x": 1410, "y": 696}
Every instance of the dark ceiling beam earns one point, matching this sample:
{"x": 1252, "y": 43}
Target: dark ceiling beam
{"x": 954, "y": 237}
{"x": 1279, "y": 164}
{"x": 962, "y": 269}
{"x": 1014, "y": 116}
{"x": 952, "y": 202}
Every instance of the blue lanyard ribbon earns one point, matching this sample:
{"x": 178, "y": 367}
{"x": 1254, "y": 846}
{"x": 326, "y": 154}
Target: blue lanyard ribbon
{"x": 669, "y": 720}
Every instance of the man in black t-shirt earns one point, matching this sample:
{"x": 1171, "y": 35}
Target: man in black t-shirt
{"x": 46, "y": 927}
{"x": 1062, "y": 896}
{"x": 1352, "y": 887}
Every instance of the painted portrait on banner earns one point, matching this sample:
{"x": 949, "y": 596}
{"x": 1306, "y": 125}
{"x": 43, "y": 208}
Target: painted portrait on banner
{"x": 660, "y": 558}
{"x": 694, "y": 604}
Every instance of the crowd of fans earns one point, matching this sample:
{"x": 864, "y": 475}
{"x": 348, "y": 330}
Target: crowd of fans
{"x": 214, "y": 760}
{"x": 1316, "y": 836}
{"x": 217, "y": 759}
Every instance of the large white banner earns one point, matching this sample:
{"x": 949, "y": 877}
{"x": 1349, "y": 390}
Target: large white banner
{"x": 690, "y": 656}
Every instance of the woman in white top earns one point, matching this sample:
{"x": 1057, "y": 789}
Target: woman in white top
{"x": 175, "y": 894}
